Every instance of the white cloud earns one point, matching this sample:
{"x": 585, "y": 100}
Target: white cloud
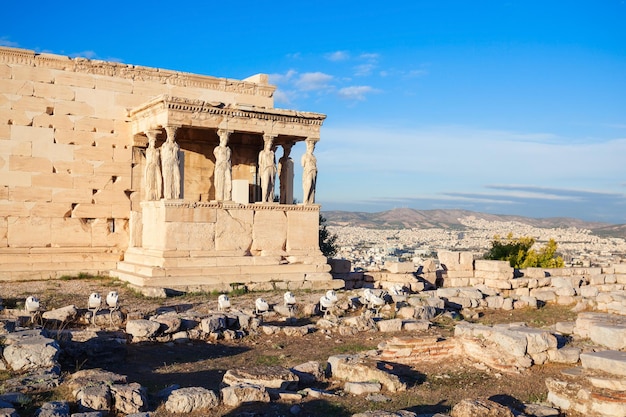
{"x": 85, "y": 54}
{"x": 313, "y": 81}
{"x": 8, "y": 43}
{"x": 355, "y": 92}
{"x": 370, "y": 56}
{"x": 364, "y": 70}
{"x": 337, "y": 56}
{"x": 282, "y": 78}
{"x": 281, "y": 97}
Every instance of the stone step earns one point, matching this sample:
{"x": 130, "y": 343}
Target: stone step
{"x": 609, "y": 361}
{"x": 221, "y": 282}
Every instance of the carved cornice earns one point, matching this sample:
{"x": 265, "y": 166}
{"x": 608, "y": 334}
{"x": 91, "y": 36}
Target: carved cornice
{"x": 228, "y": 205}
{"x": 181, "y": 104}
{"x": 133, "y": 72}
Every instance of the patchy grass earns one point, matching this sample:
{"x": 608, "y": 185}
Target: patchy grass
{"x": 268, "y": 360}
{"x": 353, "y": 347}
{"x": 545, "y": 316}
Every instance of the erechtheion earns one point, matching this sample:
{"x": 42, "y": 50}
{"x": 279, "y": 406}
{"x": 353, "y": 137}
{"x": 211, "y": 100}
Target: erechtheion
{"x": 151, "y": 175}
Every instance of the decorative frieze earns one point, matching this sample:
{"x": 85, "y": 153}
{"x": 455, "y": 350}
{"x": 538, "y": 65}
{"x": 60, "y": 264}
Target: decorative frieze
{"x": 133, "y": 72}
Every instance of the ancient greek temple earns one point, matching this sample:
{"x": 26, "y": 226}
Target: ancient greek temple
{"x": 157, "y": 177}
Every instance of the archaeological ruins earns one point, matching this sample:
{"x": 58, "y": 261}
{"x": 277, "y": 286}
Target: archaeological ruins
{"x": 158, "y": 177}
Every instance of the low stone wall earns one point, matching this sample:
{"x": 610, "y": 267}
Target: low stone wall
{"x": 501, "y": 286}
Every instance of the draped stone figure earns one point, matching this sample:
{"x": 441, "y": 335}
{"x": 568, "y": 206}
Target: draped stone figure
{"x": 170, "y": 165}
{"x": 153, "y": 181}
{"x": 285, "y": 175}
{"x": 222, "y": 176}
{"x": 267, "y": 168}
{"x": 309, "y": 173}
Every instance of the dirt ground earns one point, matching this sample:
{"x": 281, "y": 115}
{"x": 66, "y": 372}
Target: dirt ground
{"x": 433, "y": 386}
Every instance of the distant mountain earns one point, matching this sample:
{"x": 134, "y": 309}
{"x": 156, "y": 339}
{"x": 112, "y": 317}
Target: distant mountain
{"x": 406, "y": 218}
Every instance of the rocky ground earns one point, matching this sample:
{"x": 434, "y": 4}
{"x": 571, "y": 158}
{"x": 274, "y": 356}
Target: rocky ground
{"x": 432, "y": 386}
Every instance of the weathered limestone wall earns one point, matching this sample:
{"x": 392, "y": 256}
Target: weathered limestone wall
{"x": 66, "y": 155}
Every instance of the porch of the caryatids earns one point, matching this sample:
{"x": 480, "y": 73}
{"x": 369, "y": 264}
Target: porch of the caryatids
{"x": 309, "y": 172}
{"x": 267, "y": 168}
{"x": 152, "y": 178}
{"x": 222, "y": 176}
{"x": 285, "y": 175}
{"x": 170, "y": 164}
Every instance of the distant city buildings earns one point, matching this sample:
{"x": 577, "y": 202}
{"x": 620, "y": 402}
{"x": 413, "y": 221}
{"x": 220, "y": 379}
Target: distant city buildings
{"x": 368, "y": 249}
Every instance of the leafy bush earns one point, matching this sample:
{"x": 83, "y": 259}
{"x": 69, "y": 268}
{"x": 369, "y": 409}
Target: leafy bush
{"x": 520, "y": 254}
{"x": 327, "y": 241}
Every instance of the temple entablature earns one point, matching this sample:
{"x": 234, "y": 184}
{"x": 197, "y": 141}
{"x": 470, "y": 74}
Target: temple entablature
{"x": 199, "y": 114}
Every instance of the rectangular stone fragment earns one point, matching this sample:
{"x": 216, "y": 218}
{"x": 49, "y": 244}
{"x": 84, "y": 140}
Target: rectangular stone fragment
{"x": 609, "y": 361}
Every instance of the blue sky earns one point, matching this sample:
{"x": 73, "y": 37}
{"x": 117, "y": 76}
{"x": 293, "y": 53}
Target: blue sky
{"x": 507, "y": 107}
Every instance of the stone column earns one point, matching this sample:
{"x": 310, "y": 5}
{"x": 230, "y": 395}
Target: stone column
{"x": 285, "y": 175}
{"x": 267, "y": 169}
{"x": 309, "y": 172}
{"x": 152, "y": 178}
{"x": 170, "y": 163}
{"x": 222, "y": 176}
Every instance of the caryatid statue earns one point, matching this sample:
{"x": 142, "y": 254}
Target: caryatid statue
{"x": 152, "y": 179}
{"x": 222, "y": 176}
{"x": 285, "y": 175}
{"x": 170, "y": 165}
{"x": 309, "y": 173}
{"x": 267, "y": 169}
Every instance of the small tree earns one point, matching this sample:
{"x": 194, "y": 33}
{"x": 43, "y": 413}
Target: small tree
{"x": 327, "y": 241}
{"x": 519, "y": 252}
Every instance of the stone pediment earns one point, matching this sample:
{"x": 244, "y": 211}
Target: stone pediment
{"x": 167, "y": 110}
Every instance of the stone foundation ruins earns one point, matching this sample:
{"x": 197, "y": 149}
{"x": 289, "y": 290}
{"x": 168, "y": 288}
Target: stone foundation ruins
{"x": 160, "y": 177}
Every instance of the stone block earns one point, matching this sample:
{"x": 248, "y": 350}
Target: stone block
{"x": 494, "y": 276}
{"x": 94, "y": 124}
{"x": 537, "y": 340}
{"x": 30, "y": 194}
{"x": 613, "y": 336}
{"x": 33, "y": 73}
{"x": 51, "y": 210}
{"x": 543, "y": 295}
{"x": 459, "y": 274}
{"x": 609, "y": 361}
{"x": 498, "y": 284}
{"x": 91, "y": 211}
{"x": 393, "y": 325}
{"x": 74, "y": 108}
{"x": 239, "y": 394}
{"x": 16, "y": 87}
{"x": 340, "y": 266}
{"x": 29, "y": 164}
{"x": 361, "y": 388}
{"x": 14, "y": 209}
{"x": 17, "y": 118}
{"x": 451, "y": 260}
{"x": 302, "y": 230}
{"x": 53, "y": 91}
{"x": 117, "y": 85}
{"x": 94, "y": 153}
{"x": 493, "y": 266}
{"x": 75, "y": 195}
{"x": 69, "y": 232}
{"x": 28, "y": 232}
{"x": 269, "y": 231}
{"x": 400, "y": 267}
{"x": 75, "y": 79}
{"x": 32, "y": 105}
{"x": 52, "y": 180}
{"x": 192, "y": 399}
{"x": 466, "y": 260}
